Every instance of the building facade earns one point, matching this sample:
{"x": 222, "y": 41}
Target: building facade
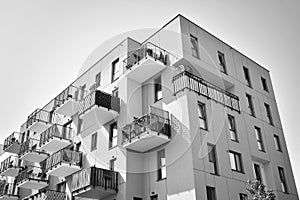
{"x": 181, "y": 115}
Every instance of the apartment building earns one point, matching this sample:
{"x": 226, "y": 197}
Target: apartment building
{"x": 181, "y": 115}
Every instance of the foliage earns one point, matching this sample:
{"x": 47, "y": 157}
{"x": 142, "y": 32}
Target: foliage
{"x": 257, "y": 191}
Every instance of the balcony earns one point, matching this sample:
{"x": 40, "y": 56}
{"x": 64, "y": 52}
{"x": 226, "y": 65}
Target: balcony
{"x": 39, "y": 121}
{"x": 33, "y": 178}
{"x": 63, "y": 163}
{"x": 47, "y": 195}
{"x": 99, "y": 106}
{"x": 56, "y": 138}
{"x": 67, "y": 102}
{"x": 8, "y": 191}
{"x": 12, "y": 143}
{"x": 94, "y": 182}
{"x": 30, "y": 151}
{"x": 147, "y": 61}
{"x": 10, "y": 166}
{"x": 147, "y": 132}
{"x": 187, "y": 80}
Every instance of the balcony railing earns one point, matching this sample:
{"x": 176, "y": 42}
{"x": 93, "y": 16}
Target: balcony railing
{"x": 32, "y": 173}
{"x": 12, "y": 143}
{"x": 39, "y": 115}
{"x": 186, "y": 80}
{"x": 12, "y": 162}
{"x": 47, "y": 195}
{"x": 8, "y": 189}
{"x": 157, "y": 120}
{"x": 70, "y": 92}
{"x": 56, "y": 131}
{"x": 30, "y": 145}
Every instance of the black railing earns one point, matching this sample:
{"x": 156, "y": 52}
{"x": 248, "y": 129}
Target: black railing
{"x": 148, "y": 50}
{"x": 47, "y": 195}
{"x": 57, "y": 131}
{"x": 187, "y": 80}
{"x": 30, "y": 145}
{"x": 157, "y": 120}
{"x": 70, "y": 92}
{"x": 95, "y": 177}
{"x": 10, "y": 162}
{"x": 99, "y": 98}
{"x": 40, "y": 115}
{"x": 32, "y": 173}
{"x": 66, "y": 156}
{"x": 11, "y": 139}
{"x": 8, "y": 189}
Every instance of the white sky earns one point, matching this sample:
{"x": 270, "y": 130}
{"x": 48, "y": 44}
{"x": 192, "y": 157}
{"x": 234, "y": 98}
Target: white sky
{"x": 43, "y": 44}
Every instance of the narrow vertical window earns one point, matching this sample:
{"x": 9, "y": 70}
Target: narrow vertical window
{"x": 112, "y": 164}
{"x": 94, "y": 142}
{"x": 113, "y": 135}
{"x": 195, "y": 49}
{"x": 98, "y": 80}
{"x": 154, "y": 197}
{"x": 250, "y": 105}
{"x": 222, "y": 63}
{"x": 79, "y": 125}
{"x": 211, "y": 193}
{"x": 264, "y": 84}
{"x": 269, "y": 114}
{"x": 257, "y": 172}
{"x": 277, "y": 143}
{"x": 243, "y": 196}
{"x": 282, "y": 180}
{"x": 236, "y": 161}
{"x": 247, "y": 76}
{"x": 82, "y": 91}
{"x": 202, "y": 115}
{"x": 259, "y": 139}
{"x": 212, "y": 157}
{"x": 161, "y": 164}
{"x": 232, "y": 128}
{"x": 157, "y": 89}
{"x": 115, "y": 92}
{"x": 115, "y": 69}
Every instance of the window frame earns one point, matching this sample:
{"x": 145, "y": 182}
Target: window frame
{"x": 161, "y": 154}
{"x": 115, "y": 65}
{"x": 194, "y": 47}
{"x": 264, "y": 84}
{"x": 250, "y": 104}
{"x": 157, "y": 89}
{"x": 269, "y": 114}
{"x": 94, "y": 141}
{"x": 238, "y": 161}
{"x": 247, "y": 76}
{"x": 283, "y": 181}
{"x": 203, "y": 117}
{"x": 154, "y": 197}
{"x": 232, "y": 128}
{"x": 222, "y": 62}
{"x": 211, "y": 193}
{"x": 112, "y": 164}
{"x": 115, "y": 92}
{"x": 277, "y": 143}
{"x": 98, "y": 80}
{"x": 257, "y": 172}
{"x": 113, "y": 126}
{"x": 259, "y": 139}
{"x": 212, "y": 157}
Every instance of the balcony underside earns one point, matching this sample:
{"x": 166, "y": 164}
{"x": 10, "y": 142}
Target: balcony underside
{"x": 63, "y": 170}
{"x": 32, "y": 184}
{"x": 55, "y": 144}
{"x": 39, "y": 126}
{"x": 34, "y": 156}
{"x": 8, "y": 197}
{"x": 146, "y": 69}
{"x": 146, "y": 141}
{"x": 13, "y": 148}
{"x": 12, "y": 172}
{"x": 92, "y": 192}
{"x": 69, "y": 108}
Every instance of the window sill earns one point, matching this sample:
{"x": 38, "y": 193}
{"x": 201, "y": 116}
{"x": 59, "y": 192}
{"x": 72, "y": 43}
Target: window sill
{"x": 161, "y": 179}
{"x": 111, "y": 148}
{"x": 234, "y": 140}
{"x": 241, "y": 172}
{"x": 157, "y": 100}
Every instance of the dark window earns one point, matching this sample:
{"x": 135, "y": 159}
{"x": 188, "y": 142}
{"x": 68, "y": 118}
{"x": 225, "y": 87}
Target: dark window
{"x": 232, "y": 128}
{"x": 257, "y": 172}
{"x": 115, "y": 92}
{"x": 243, "y": 196}
{"x": 78, "y": 145}
{"x": 211, "y": 193}
{"x": 94, "y": 142}
{"x": 222, "y": 62}
{"x": 282, "y": 180}
{"x": 236, "y": 161}
{"x": 61, "y": 187}
{"x": 157, "y": 89}
{"x": 212, "y": 157}
{"x": 202, "y": 115}
{"x": 259, "y": 139}
{"x": 195, "y": 49}
{"x": 112, "y": 164}
{"x": 250, "y": 105}
{"x": 115, "y": 70}
{"x": 82, "y": 91}
{"x": 277, "y": 143}
{"x": 154, "y": 197}
{"x": 269, "y": 115}
{"x": 247, "y": 76}
{"x": 264, "y": 84}
{"x": 113, "y": 135}
{"x": 137, "y": 198}
{"x": 98, "y": 80}
{"x": 79, "y": 125}
{"x": 161, "y": 165}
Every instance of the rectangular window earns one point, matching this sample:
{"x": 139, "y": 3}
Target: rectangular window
{"x": 269, "y": 115}
{"x": 154, "y": 197}
{"x": 211, "y": 193}
{"x": 236, "y": 161}
{"x": 257, "y": 172}
{"x": 243, "y": 196}
{"x": 137, "y": 198}
{"x": 259, "y": 139}
{"x": 232, "y": 128}
{"x": 277, "y": 143}
{"x": 112, "y": 164}
{"x": 61, "y": 187}
{"x": 250, "y": 105}
{"x": 195, "y": 49}
{"x": 212, "y": 157}
{"x": 157, "y": 89}
{"x": 202, "y": 115}
{"x": 115, "y": 92}
{"x": 115, "y": 69}
{"x": 264, "y": 84}
{"x": 94, "y": 142}
{"x": 113, "y": 135}
{"x": 282, "y": 180}
{"x": 98, "y": 80}
{"x": 247, "y": 76}
{"x": 161, "y": 165}
{"x": 79, "y": 125}
{"x": 222, "y": 62}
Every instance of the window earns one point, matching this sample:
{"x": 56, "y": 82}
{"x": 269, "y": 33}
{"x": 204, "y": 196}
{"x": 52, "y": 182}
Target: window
{"x": 222, "y": 62}
{"x": 269, "y": 115}
{"x": 243, "y": 196}
{"x": 79, "y": 125}
{"x": 259, "y": 139}
{"x": 94, "y": 142}
{"x": 247, "y": 76}
{"x": 115, "y": 92}
{"x": 211, "y": 193}
{"x": 212, "y": 157}
{"x": 277, "y": 143}
{"x": 154, "y": 197}
{"x": 232, "y": 128}
{"x": 250, "y": 105}
{"x": 194, "y": 42}
{"x": 257, "y": 172}
{"x": 236, "y": 161}
{"x": 113, "y": 135}
{"x": 98, "y": 80}
{"x": 282, "y": 180}
{"x": 161, "y": 162}
{"x": 157, "y": 89}
{"x": 137, "y": 198}
{"x": 264, "y": 84}
{"x": 77, "y": 147}
{"x": 82, "y": 91}
{"x": 61, "y": 187}
{"x": 112, "y": 164}
{"x": 202, "y": 115}
{"x": 115, "y": 70}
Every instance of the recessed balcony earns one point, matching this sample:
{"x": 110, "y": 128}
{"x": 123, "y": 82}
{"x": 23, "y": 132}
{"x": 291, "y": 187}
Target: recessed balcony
{"x": 33, "y": 178}
{"x": 8, "y": 191}
{"x": 56, "y": 138}
{"x": 67, "y": 102}
{"x": 99, "y": 107}
{"x": 12, "y": 143}
{"x": 39, "y": 121}
{"x": 10, "y": 166}
{"x": 63, "y": 163}
{"x": 147, "y": 61}
{"x": 31, "y": 152}
{"x": 94, "y": 182}
{"x": 47, "y": 195}
{"x": 147, "y": 132}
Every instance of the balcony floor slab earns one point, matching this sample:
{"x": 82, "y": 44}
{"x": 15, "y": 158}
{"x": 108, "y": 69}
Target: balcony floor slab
{"x": 69, "y": 108}
{"x": 55, "y": 144}
{"x": 33, "y": 184}
{"x": 12, "y": 172}
{"x": 34, "y": 156}
{"x": 63, "y": 170}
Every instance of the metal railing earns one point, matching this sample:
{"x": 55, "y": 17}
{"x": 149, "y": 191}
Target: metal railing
{"x": 148, "y": 50}
{"x": 99, "y": 98}
{"x": 95, "y": 177}
{"x": 32, "y": 173}
{"x": 57, "y": 131}
{"x": 157, "y": 120}
{"x": 30, "y": 145}
{"x": 40, "y": 115}
{"x": 8, "y": 189}
{"x": 47, "y": 195}
{"x": 10, "y": 162}
{"x": 64, "y": 156}
{"x": 70, "y": 92}
{"x": 187, "y": 80}
{"x": 11, "y": 139}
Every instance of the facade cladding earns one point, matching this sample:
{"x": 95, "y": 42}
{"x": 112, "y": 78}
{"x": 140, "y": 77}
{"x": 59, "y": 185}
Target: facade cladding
{"x": 180, "y": 116}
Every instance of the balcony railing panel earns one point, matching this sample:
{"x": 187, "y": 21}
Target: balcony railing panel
{"x": 47, "y": 195}
{"x": 57, "y": 131}
{"x": 40, "y": 115}
{"x": 186, "y": 80}
{"x": 64, "y": 156}
{"x": 13, "y": 139}
{"x": 70, "y": 92}
{"x": 30, "y": 145}
{"x": 10, "y": 162}
{"x": 32, "y": 173}
{"x": 8, "y": 189}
